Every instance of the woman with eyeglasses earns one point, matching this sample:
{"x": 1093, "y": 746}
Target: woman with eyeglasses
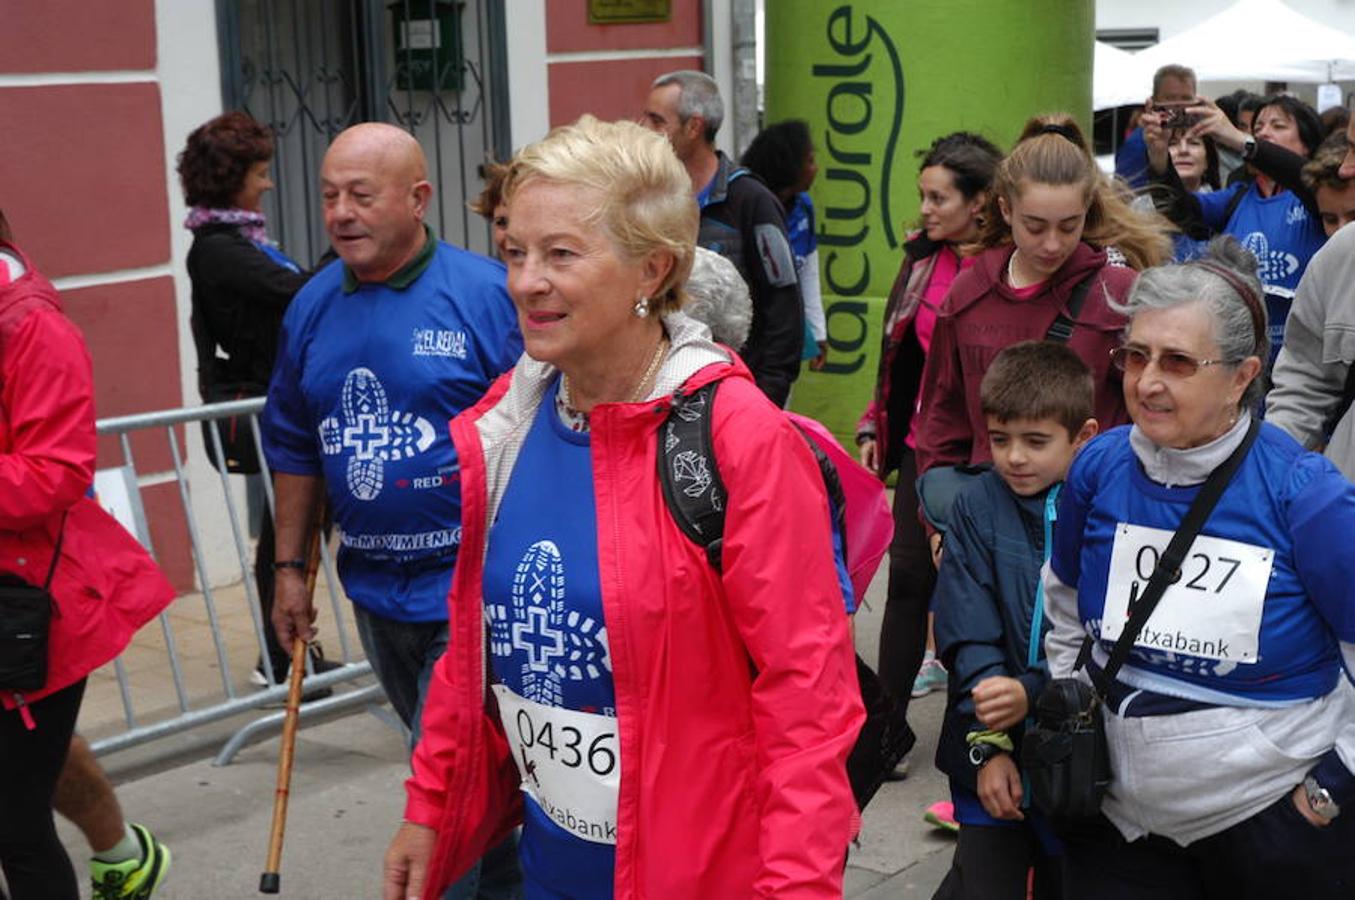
{"x": 1231, "y": 727}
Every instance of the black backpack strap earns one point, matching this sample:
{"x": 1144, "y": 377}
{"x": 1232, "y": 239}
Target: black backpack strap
{"x": 1169, "y": 566}
{"x": 1063, "y": 326}
{"x": 832, "y": 482}
{"x": 688, "y": 473}
{"x": 691, "y": 478}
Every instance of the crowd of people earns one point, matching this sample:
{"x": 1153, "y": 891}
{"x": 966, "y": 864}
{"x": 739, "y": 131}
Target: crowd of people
{"x": 607, "y": 696}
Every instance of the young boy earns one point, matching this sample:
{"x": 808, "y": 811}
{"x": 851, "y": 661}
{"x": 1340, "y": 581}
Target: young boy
{"x": 1037, "y": 397}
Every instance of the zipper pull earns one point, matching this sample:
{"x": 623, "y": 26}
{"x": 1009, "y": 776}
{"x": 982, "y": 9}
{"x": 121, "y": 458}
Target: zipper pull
{"x": 24, "y": 712}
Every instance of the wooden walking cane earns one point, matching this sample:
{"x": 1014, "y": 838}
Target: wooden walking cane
{"x": 271, "y": 879}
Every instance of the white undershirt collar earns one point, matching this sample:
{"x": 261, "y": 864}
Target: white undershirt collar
{"x": 1176, "y": 468}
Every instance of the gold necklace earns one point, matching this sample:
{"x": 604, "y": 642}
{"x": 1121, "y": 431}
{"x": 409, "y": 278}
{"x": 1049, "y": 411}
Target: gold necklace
{"x": 653, "y": 367}
{"x": 639, "y": 392}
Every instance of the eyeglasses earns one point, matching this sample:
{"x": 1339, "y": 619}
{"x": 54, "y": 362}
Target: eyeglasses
{"x": 1173, "y": 363}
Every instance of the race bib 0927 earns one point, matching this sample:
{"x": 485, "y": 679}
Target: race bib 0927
{"x": 1212, "y": 609}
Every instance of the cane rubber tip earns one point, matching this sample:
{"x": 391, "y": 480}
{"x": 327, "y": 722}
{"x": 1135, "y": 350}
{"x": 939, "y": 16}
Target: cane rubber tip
{"x": 269, "y": 883}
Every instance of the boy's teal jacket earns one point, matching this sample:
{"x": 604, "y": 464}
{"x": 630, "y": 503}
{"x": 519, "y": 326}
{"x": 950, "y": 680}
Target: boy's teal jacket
{"x": 984, "y": 604}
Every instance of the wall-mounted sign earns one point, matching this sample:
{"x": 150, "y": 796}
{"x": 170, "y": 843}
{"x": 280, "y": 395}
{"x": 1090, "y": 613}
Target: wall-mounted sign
{"x": 618, "y": 12}
{"x": 428, "y": 54}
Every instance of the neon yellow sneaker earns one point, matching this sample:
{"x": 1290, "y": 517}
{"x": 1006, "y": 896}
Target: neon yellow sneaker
{"x": 136, "y": 879}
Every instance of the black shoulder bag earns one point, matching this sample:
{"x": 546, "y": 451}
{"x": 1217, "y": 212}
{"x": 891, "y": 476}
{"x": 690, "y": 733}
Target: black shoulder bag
{"x": 1065, "y": 754}
{"x": 25, "y": 623}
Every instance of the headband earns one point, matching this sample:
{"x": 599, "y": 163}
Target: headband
{"x": 1244, "y": 291}
{"x": 1062, "y": 131}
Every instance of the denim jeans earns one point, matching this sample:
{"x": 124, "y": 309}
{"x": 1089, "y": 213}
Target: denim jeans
{"x": 402, "y": 655}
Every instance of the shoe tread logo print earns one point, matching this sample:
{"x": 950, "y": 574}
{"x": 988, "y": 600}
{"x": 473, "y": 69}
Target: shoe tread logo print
{"x": 373, "y": 432}
{"x": 560, "y": 645}
{"x": 1275, "y": 265}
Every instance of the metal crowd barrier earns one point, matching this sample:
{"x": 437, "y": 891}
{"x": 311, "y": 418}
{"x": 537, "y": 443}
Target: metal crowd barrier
{"x": 231, "y": 700}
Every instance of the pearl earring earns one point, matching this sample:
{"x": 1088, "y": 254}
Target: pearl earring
{"x": 641, "y": 308}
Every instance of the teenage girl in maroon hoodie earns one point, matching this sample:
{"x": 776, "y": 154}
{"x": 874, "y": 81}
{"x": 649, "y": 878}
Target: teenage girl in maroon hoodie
{"x": 1054, "y": 221}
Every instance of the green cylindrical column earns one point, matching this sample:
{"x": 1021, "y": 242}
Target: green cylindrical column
{"x": 877, "y": 80}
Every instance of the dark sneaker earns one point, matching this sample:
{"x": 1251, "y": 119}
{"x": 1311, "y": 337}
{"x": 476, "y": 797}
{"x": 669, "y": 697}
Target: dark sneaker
{"x": 281, "y": 669}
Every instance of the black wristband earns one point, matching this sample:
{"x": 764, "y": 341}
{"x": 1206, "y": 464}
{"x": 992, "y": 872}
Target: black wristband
{"x": 982, "y": 754}
{"x": 298, "y": 564}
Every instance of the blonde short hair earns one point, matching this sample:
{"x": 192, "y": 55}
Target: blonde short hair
{"x": 645, "y": 196}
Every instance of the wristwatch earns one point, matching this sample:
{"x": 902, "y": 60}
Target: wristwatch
{"x": 1319, "y": 798}
{"x": 980, "y": 754}
{"x": 1249, "y": 147}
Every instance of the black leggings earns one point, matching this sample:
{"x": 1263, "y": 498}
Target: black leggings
{"x": 903, "y": 630}
{"x": 35, "y": 864}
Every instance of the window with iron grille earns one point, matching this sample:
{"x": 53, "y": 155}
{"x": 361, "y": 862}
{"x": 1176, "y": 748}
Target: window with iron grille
{"x": 310, "y": 68}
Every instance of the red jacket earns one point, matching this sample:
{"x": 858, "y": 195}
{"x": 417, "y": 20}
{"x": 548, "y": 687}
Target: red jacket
{"x": 731, "y": 785}
{"x": 105, "y": 585}
{"x": 981, "y": 316}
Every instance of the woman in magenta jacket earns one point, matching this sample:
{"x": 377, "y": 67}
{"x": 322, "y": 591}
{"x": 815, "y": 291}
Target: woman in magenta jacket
{"x": 104, "y": 584}
{"x": 658, "y": 727}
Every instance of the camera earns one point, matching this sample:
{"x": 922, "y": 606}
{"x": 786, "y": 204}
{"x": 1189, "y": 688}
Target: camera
{"x": 1175, "y": 117}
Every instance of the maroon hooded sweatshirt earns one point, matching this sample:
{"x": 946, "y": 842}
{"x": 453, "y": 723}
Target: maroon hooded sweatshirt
{"x": 982, "y": 315}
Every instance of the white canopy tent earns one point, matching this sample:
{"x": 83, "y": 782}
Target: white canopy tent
{"x": 1119, "y": 78}
{"x": 1259, "y": 40}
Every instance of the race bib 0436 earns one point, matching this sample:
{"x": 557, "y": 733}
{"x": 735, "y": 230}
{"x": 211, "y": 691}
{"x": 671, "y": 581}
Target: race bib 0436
{"x": 1211, "y": 609}
{"x": 570, "y": 763}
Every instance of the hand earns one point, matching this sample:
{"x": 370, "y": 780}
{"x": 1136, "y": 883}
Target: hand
{"x": 867, "y": 450}
{"x": 1159, "y": 148}
{"x": 1215, "y": 123}
{"x": 293, "y": 611}
{"x": 1300, "y": 798}
{"x": 406, "y": 862}
{"x": 935, "y": 541}
{"x": 816, "y": 364}
{"x": 1000, "y": 702}
{"x": 1000, "y": 788}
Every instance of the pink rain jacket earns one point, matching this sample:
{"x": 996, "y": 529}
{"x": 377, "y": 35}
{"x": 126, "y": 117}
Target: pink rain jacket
{"x": 105, "y": 585}
{"x": 733, "y": 784}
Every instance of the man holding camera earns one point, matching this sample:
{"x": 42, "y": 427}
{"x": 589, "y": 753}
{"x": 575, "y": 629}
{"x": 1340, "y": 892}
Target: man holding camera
{"x": 1173, "y": 85}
